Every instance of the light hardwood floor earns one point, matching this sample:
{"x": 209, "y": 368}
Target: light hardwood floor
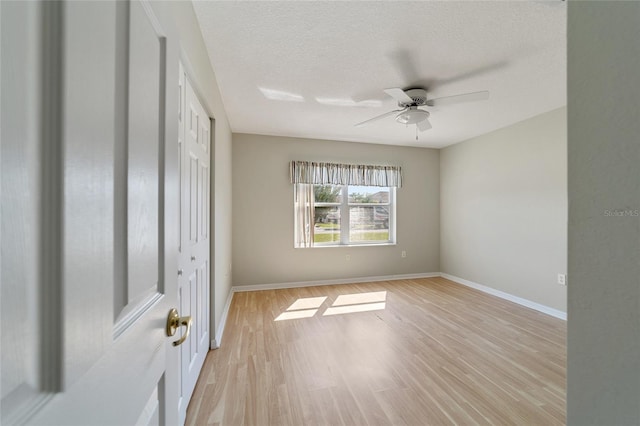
{"x": 421, "y": 352}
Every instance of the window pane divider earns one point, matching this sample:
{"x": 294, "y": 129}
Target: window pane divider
{"x": 344, "y": 216}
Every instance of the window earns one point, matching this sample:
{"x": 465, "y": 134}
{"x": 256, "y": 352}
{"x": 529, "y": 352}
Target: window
{"x": 343, "y": 204}
{"x": 348, "y": 214}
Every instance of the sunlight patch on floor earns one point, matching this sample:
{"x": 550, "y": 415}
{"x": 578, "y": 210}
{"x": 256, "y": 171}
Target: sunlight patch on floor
{"x": 348, "y": 309}
{"x": 307, "y": 307}
{"x": 357, "y": 298}
{"x": 307, "y": 303}
{"x": 306, "y": 313}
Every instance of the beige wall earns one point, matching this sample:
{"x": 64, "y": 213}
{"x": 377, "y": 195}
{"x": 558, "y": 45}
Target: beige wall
{"x": 196, "y": 59}
{"x": 263, "y": 250}
{"x": 504, "y": 209}
{"x": 604, "y": 249}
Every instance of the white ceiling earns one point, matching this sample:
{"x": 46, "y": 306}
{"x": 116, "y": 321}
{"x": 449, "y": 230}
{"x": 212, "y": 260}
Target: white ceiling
{"x": 314, "y": 69}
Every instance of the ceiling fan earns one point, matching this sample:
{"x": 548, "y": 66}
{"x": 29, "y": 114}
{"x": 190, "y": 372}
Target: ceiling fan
{"x": 410, "y": 100}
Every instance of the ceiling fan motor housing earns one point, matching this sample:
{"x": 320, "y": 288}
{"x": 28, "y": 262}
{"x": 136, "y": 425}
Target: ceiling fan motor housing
{"x": 418, "y": 96}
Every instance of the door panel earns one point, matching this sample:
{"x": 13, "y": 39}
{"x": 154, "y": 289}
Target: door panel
{"x": 143, "y": 145}
{"x": 21, "y": 188}
{"x": 193, "y": 199}
{"x": 205, "y": 138}
{"x": 203, "y": 201}
{"x": 87, "y": 142}
{"x": 181, "y": 167}
{"x": 150, "y": 415}
{"x": 190, "y": 347}
{"x": 203, "y": 305}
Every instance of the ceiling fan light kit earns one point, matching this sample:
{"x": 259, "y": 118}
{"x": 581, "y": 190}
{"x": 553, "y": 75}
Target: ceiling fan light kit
{"x": 412, "y": 116}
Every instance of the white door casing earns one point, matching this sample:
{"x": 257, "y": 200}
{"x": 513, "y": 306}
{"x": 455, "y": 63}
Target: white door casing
{"x": 90, "y": 184}
{"x": 194, "y": 257}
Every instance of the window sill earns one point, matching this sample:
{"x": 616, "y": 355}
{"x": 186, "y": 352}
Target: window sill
{"x": 323, "y": 246}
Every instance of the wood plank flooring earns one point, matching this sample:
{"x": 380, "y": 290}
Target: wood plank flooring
{"x": 408, "y": 352}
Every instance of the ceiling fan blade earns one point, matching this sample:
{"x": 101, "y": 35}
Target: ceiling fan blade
{"x": 474, "y": 73}
{"x": 404, "y": 63}
{"x": 424, "y": 125}
{"x": 399, "y": 95}
{"x": 467, "y": 97}
{"x": 379, "y": 117}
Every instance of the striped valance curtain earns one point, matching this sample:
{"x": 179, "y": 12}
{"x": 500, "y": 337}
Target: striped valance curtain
{"x": 318, "y": 173}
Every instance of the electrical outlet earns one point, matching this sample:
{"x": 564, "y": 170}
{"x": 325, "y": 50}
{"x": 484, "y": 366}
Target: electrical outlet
{"x": 403, "y": 254}
{"x": 348, "y": 257}
{"x": 562, "y": 279}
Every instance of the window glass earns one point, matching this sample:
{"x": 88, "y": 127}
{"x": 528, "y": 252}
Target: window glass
{"x": 327, "y": 225}
{"x": 368, "y": 195}
{"x": 368, "y": 223}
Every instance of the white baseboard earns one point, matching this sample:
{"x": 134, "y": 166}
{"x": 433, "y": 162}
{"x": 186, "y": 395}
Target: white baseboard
{"x": 276, "y": 286}
{"x": 510, "y": 297}
{"x": 215, "y": 343}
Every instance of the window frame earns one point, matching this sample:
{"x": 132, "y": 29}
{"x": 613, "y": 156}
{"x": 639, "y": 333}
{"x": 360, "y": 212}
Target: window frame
{"x": 345, "y": 220}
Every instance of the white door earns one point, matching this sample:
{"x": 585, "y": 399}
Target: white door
{"x": 194, "y": 260}
{"x": 89, "y": 212}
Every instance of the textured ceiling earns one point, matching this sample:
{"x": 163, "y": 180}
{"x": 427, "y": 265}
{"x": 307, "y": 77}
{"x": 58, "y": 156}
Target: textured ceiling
{"x": 314, "y": 69}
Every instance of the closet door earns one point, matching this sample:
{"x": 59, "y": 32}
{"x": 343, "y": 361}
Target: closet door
{"x": 194, "y": 258}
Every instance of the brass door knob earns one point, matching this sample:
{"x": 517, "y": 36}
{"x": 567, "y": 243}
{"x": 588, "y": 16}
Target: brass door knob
{"x": 174, "y": 321}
